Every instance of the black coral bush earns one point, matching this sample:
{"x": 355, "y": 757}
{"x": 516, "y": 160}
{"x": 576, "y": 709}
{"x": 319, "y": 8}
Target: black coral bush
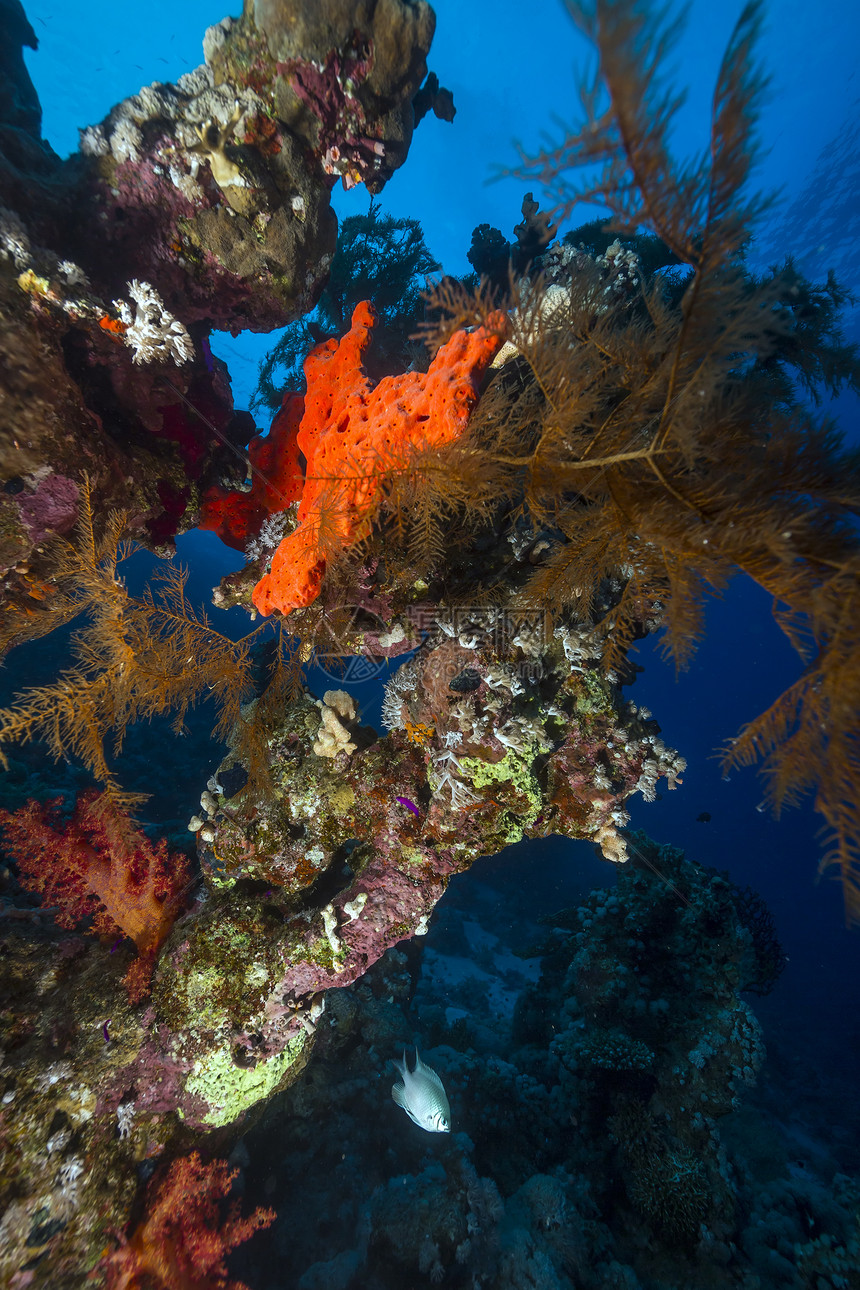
{"x": 136, "y": 657}
{"x": 661, "y": 431}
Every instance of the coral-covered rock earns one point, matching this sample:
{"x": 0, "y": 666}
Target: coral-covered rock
{"x": 128, "y": 405}
{"x": 347, "y": 76}
{"x": 196, "y": 205}
{"x": 216, "y": 189}
{"x": 501, "y": 729}
{"x": 379, "y": 828}
{"x": 51, "y": 508}
{"x": 193, "y": 197}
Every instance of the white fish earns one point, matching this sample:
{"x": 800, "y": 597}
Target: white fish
{"x": 422, "y": 1096}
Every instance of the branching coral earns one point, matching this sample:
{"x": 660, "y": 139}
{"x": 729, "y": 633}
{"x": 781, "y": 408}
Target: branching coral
{"x": 149, "y": 329}
{"x": 379, "y": 258}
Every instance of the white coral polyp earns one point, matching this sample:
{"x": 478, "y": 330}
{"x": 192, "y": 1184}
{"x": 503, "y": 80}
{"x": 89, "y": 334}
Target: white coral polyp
{"x": 402, "y": 683}
{"x": 446, "y": 782}
{"x": 151, "y": 331}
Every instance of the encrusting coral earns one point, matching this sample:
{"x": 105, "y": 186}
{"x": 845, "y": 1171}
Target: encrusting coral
{"x": 333, "y": 737}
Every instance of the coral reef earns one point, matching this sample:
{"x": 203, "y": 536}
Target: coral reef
{"x": 505, "y": 534}
{"x": 199, "y": 205}
{"x": 346, "y": 77}
{"x": 498, "y": 731}
{"x": 603, "y": 1134}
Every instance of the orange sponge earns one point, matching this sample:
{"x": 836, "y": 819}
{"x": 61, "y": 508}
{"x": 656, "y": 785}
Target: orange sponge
{"x": 352, "y": 432}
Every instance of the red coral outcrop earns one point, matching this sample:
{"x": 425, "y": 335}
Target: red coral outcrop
{"x": 351, "y": 433}
{"x": 276, "y": 481}
{"x": 99, "y": 865}
{"x": 182, "y": 1242}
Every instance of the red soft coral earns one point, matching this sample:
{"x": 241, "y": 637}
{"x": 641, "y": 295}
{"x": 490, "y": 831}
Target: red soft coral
{"x": 99, "y": 865}
{"x": 183, "y": 1240}
{"x": 276, "y": 481}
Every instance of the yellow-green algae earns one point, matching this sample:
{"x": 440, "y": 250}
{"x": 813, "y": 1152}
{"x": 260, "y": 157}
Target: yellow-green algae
{"x": 514, "y": 769}
{"x": 592, "y": 693}
{"x": 340, "y": 796}
{"x": 231, "y": 960}
{"x": 201, "y": 985}
{"x": 229, "y": 1089}
{"x": 411, "y": 856}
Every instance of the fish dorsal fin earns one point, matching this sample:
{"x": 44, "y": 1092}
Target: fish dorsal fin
{"x": 421, "y": 1068}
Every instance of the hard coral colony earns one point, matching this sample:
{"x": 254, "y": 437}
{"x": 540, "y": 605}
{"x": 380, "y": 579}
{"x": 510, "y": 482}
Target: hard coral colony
{"x": 504, "y": 524}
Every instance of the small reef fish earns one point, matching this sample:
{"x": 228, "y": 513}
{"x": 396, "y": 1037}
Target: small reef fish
{"x": 422, "y": 1096}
